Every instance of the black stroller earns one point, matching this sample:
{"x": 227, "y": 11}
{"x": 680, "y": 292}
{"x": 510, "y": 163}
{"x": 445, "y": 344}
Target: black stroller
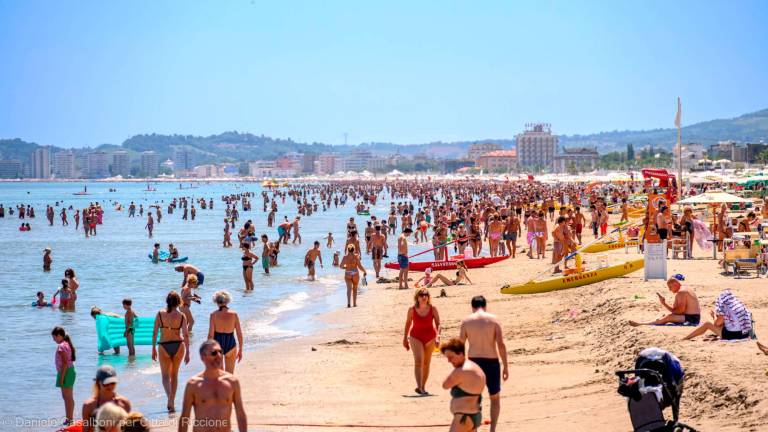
{"x": 655, "y": 384}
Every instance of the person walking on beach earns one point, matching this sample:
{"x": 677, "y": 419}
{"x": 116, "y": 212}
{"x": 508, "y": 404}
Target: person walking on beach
{"x": 174, "y": 341}
{"x": 486, "y": 344}
{"x": 351, "y": 264}
{"x": 309, "y": 260}
{"x": 422, "y": 333}
{"x": 65, "y": 370}
{"x": 402, "y": 258}
{"x": 212, "y": 394}
{"x": 224, "y": 326}
{"x": 466, "y": 382}
{"x": 103, "y": 392}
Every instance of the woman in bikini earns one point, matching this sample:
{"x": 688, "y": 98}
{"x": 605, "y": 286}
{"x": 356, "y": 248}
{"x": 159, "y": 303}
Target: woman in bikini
{"x": 462, "y": 274}
{"x": 69, "y": 275}
{"x": 248, "y": 259}
{"x": 223, "y": 327}
{"x": 351, "y": 264}
{"x": 174, "y": 341}
{"x": 422, "y": 334}
{"x": 65, "y": 296}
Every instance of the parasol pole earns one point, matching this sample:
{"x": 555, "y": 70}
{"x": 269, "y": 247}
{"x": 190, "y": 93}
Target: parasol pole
{"x": 679, "y": 151}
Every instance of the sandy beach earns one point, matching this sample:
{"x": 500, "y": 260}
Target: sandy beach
{"x": 563, "y": 348}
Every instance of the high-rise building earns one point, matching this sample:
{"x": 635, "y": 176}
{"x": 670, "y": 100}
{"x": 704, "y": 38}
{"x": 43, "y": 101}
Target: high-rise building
{"x": 357, "y": 160}
{"x": 10, "y": 169}
{"x": 150, "y": 165}
{"x": 183, "y": 161}
{"x": 308, "y": 162}
{"x": 329, "y": 163}
{"x": 97, "y": 165}
{"x": 536, "y": 147}
{"x": 121, "y": 163}
{"x": 64, "y": 164}
{"x": 41, "y": 163}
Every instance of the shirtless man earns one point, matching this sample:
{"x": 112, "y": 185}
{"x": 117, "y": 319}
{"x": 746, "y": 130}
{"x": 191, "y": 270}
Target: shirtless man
{"x": 266, "y": 251}
{"x": 511, "y": 231}
{"x": 402, "y": 258}
{"x": 685, "y": 309}
{"x": 309, "y": 260}
{"x": 541, "y": 235}
{"x": 187, "y": 270}
{"x": 486, "y": 344}
{"x": 624, "y": 210}
{"x": 378, "y": 241}
{"x": 559, "y": 242}
{"x": 466, "y": 382}
{"x": 530, "y": 226}
{"x": 212, "y": 393}
{"x": 150, "y": 224}
{"x": 296, "y": 235}
{"x": 578, "y": 223}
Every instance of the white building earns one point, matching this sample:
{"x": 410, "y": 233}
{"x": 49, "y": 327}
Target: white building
{"x": 262, "y": 168}
{"x": 10, "y": 169}
{"x": 357, "y": 160}
{"x": 64, "y": 164}
{"x": 121, "y": 163}
{"x": 41, "y": 163}
{"x": 576, "y": 159}
{"x": 149, "y": 164}
{"x": 97, "y": 165}
{"x": 536, "y": 147}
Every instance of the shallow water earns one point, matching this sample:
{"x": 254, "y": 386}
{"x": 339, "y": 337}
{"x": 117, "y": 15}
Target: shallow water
{"x": 114, "y": 264}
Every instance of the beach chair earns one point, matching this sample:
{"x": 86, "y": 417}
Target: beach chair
{"x": 731, "y": 255}
{"x": 680, "y": 245}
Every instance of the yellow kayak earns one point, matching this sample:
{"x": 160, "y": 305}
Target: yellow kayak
{"x": 604, "y": 247}
{"x": 574, "y": 280}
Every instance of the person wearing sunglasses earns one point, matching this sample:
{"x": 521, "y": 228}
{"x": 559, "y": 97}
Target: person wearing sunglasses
{"x": 212, "y": 393}
{"x": 422, "y": 334}
{"x": 104, "y": 386}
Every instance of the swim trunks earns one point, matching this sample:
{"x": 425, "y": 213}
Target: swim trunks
{"x": 692, "y": 319}
{"x": 402, "y": 261}
{"x": 200, "y": 278}
{"x": 377, "y": 253}
{"x": 492, "y": 370}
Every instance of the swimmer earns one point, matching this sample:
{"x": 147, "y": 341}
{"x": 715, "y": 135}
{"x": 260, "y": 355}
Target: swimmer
{"x": 40, "y": 302}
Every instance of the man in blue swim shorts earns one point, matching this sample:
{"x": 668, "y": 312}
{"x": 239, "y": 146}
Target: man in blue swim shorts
{"x": 402, "y": 258}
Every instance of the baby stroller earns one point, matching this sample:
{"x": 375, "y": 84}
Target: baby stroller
{"x": 655, "y": 384}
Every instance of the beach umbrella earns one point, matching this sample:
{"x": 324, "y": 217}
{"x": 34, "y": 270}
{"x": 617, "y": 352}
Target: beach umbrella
{"x": 713, "y": 198}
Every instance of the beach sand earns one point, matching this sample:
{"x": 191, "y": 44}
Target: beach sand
{"x": 563, "y": 349}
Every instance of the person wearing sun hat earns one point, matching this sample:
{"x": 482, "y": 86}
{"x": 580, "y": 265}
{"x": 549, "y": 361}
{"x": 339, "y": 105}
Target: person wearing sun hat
{"x": 104, "y": 387}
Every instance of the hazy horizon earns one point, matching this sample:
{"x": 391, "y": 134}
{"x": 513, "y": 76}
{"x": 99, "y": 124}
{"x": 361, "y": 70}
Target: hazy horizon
{"x": 87, "y": 73}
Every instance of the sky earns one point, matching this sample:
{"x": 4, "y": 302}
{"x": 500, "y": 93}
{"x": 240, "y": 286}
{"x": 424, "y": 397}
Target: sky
{"x": 83, "y": 73}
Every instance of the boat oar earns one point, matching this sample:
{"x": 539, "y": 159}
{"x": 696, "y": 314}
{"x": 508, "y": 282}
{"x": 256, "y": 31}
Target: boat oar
{"x": 437, "y": 247}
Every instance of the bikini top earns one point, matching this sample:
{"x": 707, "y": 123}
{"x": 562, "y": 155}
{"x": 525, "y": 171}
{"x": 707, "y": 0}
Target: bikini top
{"x": 162, "y": 326}
{"x": 457, "y": 392}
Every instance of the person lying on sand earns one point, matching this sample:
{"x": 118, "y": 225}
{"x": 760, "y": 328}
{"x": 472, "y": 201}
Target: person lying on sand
{"x": 731, "y": 319}
{"x": 685, "y": 310}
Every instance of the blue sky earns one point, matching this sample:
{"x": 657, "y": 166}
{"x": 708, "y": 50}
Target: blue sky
{"x": 77, "y": 73}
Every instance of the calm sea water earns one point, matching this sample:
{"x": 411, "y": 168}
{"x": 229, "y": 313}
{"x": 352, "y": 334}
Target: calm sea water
{"x": 114, "y": 265}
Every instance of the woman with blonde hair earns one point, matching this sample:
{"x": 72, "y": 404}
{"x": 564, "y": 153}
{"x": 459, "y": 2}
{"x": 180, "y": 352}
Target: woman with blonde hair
{"x": 174, "y": 341}
{"x": 421, "y": 335}
{"x": 110, "y": 418}
{"x": 104, "y": 386}
{"x": 223, "y": 327}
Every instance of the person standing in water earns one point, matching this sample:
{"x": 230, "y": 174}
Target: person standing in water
{"x": 486, "y": 344}
{"x": 309, "y": 260}
{"x": 224, "y": 326}
{"x": 47, "y": 259}
{"x": 212, "y": 394}
{"x": 351, "y": 264}
{"x": 150, "y": 224}
{"x": 130, "y": 329}
{"x": 171, "y": 325}
{"x": 65, "y": 370}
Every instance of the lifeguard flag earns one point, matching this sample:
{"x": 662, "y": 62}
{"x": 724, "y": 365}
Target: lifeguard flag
{"x": 679, "y": 113}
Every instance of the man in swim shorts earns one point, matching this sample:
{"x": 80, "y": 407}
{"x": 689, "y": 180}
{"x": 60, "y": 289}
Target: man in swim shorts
{"x": 309, "y": 260}
{"x": 189, "y": 269}
{"x": 486, "y": 344}
{"x": 378, "y": 241}
{"x": 402, "y": 258}
{"x": 685, "y": 310}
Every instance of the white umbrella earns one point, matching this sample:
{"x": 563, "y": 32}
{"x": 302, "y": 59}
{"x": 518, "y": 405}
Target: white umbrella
{"x": 713, "y": 198}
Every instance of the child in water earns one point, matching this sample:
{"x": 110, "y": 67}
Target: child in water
{"x": 129, "y": 329}
{"x": 336, "y": 259}
{"x": 95, "y": 311}
{"x": 41, "y": 300}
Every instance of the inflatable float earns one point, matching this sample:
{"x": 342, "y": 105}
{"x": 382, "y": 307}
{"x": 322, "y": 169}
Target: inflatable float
{"x": 448, "y": 264}
{"x": 163, "y": 257}
{"x": 110, "y": 331}
{"x": 364, "y": 213}
{"x": 574, "y": 280}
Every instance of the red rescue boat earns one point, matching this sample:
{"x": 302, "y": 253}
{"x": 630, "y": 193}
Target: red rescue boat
{"x": 449, "y": 264}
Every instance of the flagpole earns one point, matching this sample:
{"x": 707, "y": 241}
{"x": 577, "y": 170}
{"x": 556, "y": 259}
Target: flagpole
{"x": 679, "y": 152}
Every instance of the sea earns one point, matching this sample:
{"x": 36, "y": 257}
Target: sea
{"x": 114, "y": 265}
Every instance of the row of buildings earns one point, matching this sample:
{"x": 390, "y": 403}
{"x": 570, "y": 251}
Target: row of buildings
{"x": 97, "y": 164}
{"x": 535, "y": 149}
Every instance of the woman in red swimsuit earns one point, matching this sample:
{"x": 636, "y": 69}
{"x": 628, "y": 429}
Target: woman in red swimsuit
{"x": 422, "y": 334}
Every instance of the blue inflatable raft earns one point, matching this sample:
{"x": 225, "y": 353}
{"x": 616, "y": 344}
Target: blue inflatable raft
{"x": 163, "y": 256}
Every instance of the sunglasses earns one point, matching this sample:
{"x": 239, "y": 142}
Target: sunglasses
{"x": 216, "y": 352}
